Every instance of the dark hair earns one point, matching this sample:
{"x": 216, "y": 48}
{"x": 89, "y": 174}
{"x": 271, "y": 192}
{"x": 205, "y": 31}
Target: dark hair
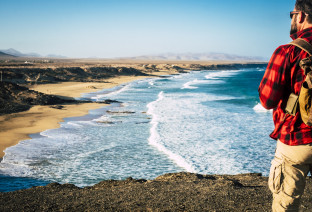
{"x": 306, "y": 7}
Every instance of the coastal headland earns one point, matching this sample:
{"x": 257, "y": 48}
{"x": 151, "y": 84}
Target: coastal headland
{"x": 38, "y": 95}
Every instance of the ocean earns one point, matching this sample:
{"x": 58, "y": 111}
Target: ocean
{"x": 207, "y": 122}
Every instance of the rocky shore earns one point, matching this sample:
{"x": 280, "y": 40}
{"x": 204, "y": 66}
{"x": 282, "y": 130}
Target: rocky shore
{"x": 169, "y": 192}
{"x": 16, "y": 98}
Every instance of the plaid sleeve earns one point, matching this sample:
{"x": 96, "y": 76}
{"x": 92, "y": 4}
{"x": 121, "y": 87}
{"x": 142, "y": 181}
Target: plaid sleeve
{"x": 273, "y": 82}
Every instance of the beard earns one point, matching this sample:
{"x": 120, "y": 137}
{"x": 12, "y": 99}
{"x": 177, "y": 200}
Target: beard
{"x": 293, "y": 27}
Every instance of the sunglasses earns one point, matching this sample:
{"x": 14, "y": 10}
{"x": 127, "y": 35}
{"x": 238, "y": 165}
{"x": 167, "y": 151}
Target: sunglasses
{"x": 292, "y": 13}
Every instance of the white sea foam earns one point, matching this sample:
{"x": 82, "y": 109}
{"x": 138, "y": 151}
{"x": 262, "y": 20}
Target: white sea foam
{"x": 175, "y": 133}
{"x": 155, "y": 139}
{"x": 102, "y": 118}
{"x": 220, "y": 74}
{"x": 260, "y": 109}
{"x": 199, "y": 134}
{"x": 188, "y": 85}
{"x": 212, "y": 98}
{"x": 123, "y": 88}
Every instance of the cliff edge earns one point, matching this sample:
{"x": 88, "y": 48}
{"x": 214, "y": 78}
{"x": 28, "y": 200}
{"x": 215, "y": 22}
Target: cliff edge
{"x": 170, "y": 192}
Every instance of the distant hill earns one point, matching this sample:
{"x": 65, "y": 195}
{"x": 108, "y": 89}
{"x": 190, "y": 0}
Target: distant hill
{"x": 19, "y": 54}
{"x": 16, "y": 53}
{"x": 198, "y": 57}
{"x": 4, "y": 55}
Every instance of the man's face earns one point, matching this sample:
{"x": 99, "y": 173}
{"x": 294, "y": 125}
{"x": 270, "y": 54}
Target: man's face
{"x": 293, "y": 26}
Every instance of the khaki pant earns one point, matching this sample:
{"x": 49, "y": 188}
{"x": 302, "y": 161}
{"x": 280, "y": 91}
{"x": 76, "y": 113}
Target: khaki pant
{"x": 288, "y": 172}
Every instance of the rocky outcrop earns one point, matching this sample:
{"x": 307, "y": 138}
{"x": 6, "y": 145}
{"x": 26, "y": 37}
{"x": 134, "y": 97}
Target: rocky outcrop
{"x": 15, "y": 98}
{"x": 169, "y": 192}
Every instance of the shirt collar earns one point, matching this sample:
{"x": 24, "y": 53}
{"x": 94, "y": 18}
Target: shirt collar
{"x": 301, "y": 33}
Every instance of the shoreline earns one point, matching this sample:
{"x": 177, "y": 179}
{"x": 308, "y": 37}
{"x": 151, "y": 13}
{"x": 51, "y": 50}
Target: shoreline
{"x": 17, "y": 127}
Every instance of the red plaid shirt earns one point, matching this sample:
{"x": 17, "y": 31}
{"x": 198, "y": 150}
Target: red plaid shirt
{"x": 282, "y": 77}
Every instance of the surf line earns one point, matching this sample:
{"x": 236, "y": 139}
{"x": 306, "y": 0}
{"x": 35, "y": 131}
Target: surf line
{"x": 155, "y": 139}
{"x": 188, "y": 85}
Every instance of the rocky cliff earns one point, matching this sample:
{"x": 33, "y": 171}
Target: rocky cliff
{"x": 169, "y": 192}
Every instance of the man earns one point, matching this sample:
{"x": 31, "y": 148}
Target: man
{"x": 293, "y": 156}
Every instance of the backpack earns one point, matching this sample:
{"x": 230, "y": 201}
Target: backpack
{"x": 305, "y": 95}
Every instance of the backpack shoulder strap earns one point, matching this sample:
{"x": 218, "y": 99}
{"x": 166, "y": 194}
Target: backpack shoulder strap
{"x": 302, "y": 44}
{"x": 292, "y": 106}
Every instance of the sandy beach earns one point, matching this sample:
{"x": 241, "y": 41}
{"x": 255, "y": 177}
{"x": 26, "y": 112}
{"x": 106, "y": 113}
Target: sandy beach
{"x": 76, "y": 89}
{"x": 18, "y": 126}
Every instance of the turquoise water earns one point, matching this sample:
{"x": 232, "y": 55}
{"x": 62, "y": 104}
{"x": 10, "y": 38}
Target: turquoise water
{"x": 208, "y": 122}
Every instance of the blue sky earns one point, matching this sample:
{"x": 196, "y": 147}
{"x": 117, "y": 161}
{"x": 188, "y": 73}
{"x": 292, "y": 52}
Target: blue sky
{"x": 122, "y": 28}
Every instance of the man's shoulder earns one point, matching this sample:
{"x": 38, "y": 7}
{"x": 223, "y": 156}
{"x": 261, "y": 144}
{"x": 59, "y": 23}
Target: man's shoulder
{"x": 290, "y": 48}
{"x": 286, "y": 53}
{"x": 285, "y": 48}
